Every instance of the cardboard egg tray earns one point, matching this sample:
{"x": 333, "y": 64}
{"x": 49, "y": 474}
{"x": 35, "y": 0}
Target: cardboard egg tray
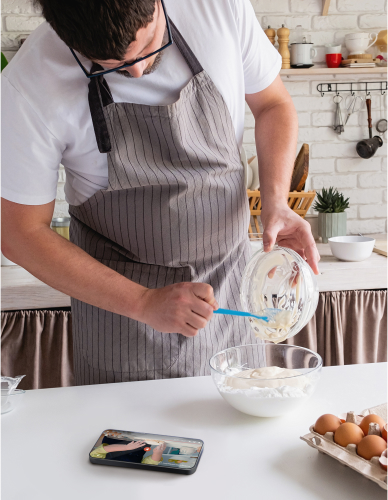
{"x": 370, "y": 469}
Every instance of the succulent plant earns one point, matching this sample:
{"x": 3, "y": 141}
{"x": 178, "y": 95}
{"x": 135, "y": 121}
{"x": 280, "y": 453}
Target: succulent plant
{"x": 331, "y": 201}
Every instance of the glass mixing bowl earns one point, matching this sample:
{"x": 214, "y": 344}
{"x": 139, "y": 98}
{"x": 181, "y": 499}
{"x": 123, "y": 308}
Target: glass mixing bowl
{"x": 281, "y": 280}
{"x": 10, "y": 401}
{"x": 266, "y": 397}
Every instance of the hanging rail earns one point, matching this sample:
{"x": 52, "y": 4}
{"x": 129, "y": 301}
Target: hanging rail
{"x": 352, "y": 87}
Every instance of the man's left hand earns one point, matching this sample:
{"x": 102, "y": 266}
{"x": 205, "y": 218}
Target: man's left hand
{"x": 286, "y": 228}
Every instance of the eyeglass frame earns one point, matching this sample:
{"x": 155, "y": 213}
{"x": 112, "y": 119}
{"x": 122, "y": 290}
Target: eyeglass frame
{"x": 127, "y": 65}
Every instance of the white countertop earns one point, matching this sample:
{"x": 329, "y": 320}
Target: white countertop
{"x": 369, "y": 274}
{"x": 45, "y": 443}
{"x": 21, "y": 290}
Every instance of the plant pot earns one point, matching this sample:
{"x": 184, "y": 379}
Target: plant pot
{"x": 330, "y": 225}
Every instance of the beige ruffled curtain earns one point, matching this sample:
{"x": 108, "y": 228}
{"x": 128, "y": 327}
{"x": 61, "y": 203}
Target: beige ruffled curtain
{"x": 348, "y": 327}
{"x": 38, "y": 344}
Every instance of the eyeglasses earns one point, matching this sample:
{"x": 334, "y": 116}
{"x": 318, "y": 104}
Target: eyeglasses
{"x": 105, "y": 72}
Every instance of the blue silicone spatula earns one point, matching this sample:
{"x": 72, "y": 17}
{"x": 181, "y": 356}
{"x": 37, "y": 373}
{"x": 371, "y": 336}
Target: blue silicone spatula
{"x": 269, "y": 313}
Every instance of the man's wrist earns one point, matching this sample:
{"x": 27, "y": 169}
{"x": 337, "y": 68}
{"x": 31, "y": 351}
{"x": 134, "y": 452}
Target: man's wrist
{"x": 133, "y": 304}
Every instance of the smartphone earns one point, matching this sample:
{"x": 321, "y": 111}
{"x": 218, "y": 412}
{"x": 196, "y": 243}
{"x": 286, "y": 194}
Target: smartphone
{"x": 139, "y": 450}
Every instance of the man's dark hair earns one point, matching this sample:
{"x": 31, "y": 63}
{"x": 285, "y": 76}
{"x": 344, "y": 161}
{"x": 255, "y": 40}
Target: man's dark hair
{"x": 98, "y": 29}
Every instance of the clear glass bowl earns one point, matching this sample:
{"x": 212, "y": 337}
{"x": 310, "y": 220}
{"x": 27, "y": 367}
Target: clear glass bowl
{"x": 10, "y": 401}
{"x": 266, "y": 397}
{"x": 280, "y": 279}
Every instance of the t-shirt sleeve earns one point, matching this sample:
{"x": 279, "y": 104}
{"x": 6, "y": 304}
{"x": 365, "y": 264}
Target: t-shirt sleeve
{"x": 30, "y": 154}
{"x": 261, "y": 61}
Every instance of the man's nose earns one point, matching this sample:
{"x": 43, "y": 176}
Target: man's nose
{"x": 137, "y": 70}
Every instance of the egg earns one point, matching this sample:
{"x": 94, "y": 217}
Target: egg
{"x": 368, "y": 420}
{"x": 327, "y": 423}
{"x": 371, "y": 446}
{"x": 384, "y": 432}
{"x": 348, "y": 433}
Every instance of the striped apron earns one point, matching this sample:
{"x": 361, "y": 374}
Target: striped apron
{"x": 175, "y": 210}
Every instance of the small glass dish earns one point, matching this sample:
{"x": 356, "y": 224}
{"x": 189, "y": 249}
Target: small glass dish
{"x": 278, "y": 395}
{"x": 10, "y": 401}
{"x": 280, "y": 280}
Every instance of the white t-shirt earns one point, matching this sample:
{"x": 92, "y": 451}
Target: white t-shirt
{"x": 45, "y": 112}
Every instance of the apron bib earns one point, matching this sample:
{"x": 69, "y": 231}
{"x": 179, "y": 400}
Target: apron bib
{"x": 175, "y": 210}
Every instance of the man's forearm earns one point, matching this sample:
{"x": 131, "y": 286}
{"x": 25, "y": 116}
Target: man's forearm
{"x": 67, "y": 268}
{"x": 276, "y": 134}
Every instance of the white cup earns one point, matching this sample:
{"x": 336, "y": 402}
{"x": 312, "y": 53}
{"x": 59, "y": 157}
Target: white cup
{"x": 358, "y": 43}
{"x": 333, "y": 49}
{"x": 302, "y": 54}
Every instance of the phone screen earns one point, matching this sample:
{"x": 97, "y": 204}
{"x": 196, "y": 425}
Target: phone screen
{"x": 164, "y": 452}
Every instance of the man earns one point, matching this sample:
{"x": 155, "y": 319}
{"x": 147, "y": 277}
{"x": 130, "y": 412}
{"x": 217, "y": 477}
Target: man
{"x": 154, "y": 178}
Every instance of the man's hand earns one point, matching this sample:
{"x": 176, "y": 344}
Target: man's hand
{"x": 181, "y": 308}
{"x": 158, "y": 452}
{"x": 283, "y": 226}
{"x": 134, "y": 445}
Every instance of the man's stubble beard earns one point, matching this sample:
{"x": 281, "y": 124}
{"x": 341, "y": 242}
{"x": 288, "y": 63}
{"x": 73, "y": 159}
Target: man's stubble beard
{"x": 155, "y": 64}
{"x": 147, "y": 71}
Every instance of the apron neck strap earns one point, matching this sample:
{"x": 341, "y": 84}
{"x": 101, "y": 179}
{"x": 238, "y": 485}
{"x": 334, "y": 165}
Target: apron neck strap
{"x": 185, "y": 50}
{"x": 101, "y": 96}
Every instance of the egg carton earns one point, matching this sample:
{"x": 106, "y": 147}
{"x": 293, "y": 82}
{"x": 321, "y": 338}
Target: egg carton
{"x": 370, "y": 469}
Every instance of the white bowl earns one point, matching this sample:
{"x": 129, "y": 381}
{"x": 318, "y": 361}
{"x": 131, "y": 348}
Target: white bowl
{"x": 333, "y": 49}
{"x": 351, "y": 248}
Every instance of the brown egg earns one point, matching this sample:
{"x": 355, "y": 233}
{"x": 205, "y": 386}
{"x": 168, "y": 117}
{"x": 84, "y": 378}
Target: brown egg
{"x": 371, "y": 446}
{"x": 384, "y": 432}
{"x": 327, "y": 423}
{"x": 368, "y": 420}
{"x": 348, "y": 433}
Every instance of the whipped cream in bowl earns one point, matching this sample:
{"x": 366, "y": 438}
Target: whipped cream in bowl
{"x": 266, "y": 380}
{"x": 282, "y": 281}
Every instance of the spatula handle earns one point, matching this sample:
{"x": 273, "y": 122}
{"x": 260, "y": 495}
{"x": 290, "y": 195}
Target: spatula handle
{"x": 231, "y": 312}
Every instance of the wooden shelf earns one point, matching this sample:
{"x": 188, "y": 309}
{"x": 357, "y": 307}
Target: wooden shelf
{"x": 378, "y": 70}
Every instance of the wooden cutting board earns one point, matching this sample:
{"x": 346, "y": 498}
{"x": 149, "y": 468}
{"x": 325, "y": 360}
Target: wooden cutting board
{"x": 381, "y": 247}
{"x": 301, "y": 169}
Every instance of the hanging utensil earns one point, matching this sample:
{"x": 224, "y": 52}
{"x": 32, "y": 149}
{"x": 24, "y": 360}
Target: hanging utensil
{"x": 338, "y": 121}
{"x": 381, "y": 125}
{"x": 355, "y": 103}
{"x": 368, "y": 147}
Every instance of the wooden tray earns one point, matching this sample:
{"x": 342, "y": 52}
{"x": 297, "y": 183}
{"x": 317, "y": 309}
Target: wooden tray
{"x": 381, "y": 247}
{"x": 299, "y": 201}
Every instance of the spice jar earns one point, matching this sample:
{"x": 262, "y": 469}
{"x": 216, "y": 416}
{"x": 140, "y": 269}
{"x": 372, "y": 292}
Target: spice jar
{"x": 61, "y": 226}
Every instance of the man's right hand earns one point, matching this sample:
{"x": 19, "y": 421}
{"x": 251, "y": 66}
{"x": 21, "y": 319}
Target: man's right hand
{"x": 28, "y": 241}
{"x": 181, "y": 308}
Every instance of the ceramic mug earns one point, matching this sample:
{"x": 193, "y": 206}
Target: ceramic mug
{"x": 333, "y": 60}
{"x": 358, "y": 43}
{"x": 302, "y": 54}
{"x": 333, "y": 49}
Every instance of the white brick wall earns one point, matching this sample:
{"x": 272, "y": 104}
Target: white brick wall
{"x": 333, "y": 158}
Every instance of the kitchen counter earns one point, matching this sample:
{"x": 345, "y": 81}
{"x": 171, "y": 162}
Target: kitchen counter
{"x": 45, "y": 442}
{"x": 21, "y": 290}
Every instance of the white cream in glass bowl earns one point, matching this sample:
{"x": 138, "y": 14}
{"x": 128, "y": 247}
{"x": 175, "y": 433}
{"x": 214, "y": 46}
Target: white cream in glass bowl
{"x": 279, "y": 280}
{"x": 266, "y": 380}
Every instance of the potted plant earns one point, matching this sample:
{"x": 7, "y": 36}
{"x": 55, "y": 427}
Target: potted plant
{"x": 331, "y": 206}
